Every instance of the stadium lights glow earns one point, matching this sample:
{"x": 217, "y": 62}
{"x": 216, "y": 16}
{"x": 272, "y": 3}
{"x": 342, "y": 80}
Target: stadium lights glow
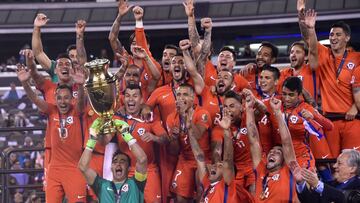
{"x": 325, "y": 42}
{"x": 255, "y": 46}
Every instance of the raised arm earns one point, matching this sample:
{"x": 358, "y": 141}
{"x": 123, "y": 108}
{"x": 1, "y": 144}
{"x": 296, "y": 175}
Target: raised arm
{"x": 287, "y": 145}
{"x": 141, "y": 158}
{"x": 80, "y": 47}
{"x": 193, "y": 32}
{"x": 199, "y": 83}
{"x": 36, "y": 43}
{"x": 31, "y": 65}
{"x": 24, "y": 77}
{"x": 253, "y": 133}
{"x": 85, "y": 159}
{"x": 309, "y": 22}
{"x": 206, "y": 23}
{"x": 78, "y": 76}
{"x": 198, "y": 154}
{"x": 155, "y": 74}
{"x": 115, "y": 43}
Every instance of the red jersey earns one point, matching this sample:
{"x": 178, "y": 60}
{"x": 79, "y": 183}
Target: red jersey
{"x": 240, "y": 83}
{"x": 211, "y": 102}
{"x": 277, "y": 187}
{"x": 200, "y": 117}
{"x": 210, "y": 74}
{"x": 66, "y": 144}
{"x": 309, "y": 78}
{"x": 355, "y": 81}
{"x": 215, "y": 192}
{"x": 138, "y": 129}
{"x": 336, "y": 93}
{"x": 242, "y": 155}
{"x": 48, "y": 89}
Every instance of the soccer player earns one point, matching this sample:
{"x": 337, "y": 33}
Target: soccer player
{"x": 164, "y": 99}
{"x": 266, "y": 54}
{"x": 299, "y": 54}
{"x": 356, "y": 87}
{"x": 336, "y": 67}
{"x": 149, "y": 68}
{"x": 169, "y": 51}
{"x": 77, "y": 53}
{"x": 64, "y": 130}
{"x": 242, "y": 159}
{"x": 275, "y": 181}
{"x": 122, "y": 188}
{"x": 218, "y": 179}
{"x": 146, "y": 134}
{"x": 201, "y": 48}
{"x": 301, "y": 119}
{"x": 178, "y": 123}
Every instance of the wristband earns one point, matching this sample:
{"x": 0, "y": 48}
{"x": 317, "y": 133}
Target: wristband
{"x": 91, "y": 144}
{"x": 139, "y": 24}
{"x": 131, "y": 142}
{"x": 127, "y": 137}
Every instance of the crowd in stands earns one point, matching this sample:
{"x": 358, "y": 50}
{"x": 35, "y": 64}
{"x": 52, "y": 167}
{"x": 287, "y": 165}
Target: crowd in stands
{"x": 189, "y": 130}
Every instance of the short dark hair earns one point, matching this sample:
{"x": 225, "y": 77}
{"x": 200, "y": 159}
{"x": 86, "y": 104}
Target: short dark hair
{"x": 133, "y": 87}
{"x": 70, "y": 47}
{"x": 234, "y": 95}
{"x": 343, "y": 25}
{"x": 275, "y": 71}
{"x": 230, "y": 49}
{"x": 171, "y": 46}
{"x": 63, "y": 55}
{"x": 293, "y": 84}
{"x": 274, "y": 49}
{"x": 64, "y": 86}
{"x": 186, "y": 85}
{"x": 302, "y": 45}
{"x": 119, "y": 152}
{"x": 132, "y": 37}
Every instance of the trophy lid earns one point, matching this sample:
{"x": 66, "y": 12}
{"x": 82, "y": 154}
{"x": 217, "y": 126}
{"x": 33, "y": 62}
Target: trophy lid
{"x": 97, "y": 63}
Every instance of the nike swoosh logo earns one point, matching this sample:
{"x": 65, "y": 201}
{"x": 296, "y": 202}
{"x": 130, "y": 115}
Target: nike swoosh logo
{"x": 165, "y": 96}
{"x": 212, "y": 77}
{"x": 158, "y": 196}
{"x": 356, "y": 147}
{"x": 81, "y": 196}
{"x": 110, "y": 189}
{"x": 324, "y": 157}
{"x": 212, "y": 103}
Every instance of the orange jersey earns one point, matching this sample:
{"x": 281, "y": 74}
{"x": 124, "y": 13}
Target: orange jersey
{"x": 277, "y": 187}
{"x": 166, "y": 78}
{"x": 252, "y": 78}
{"x": 200, "y": 117}
{"x": 211, "y": 102}
{"x": 210, "y": 74}
{"x": 299, "y": 135}
{"x": 219, "y": 192}
{"x": 242, "y": 156}
{"x": 266, "y": 130}
{"x": 355, "y": 81}
{"x": 138, "y": 129}
{"x": 336, "y": 93}
{"x": 309, "y": 78}
{"x": 66, "y": 147}
{"x": 241, "y": 83}
{"x": 48, "y": 89}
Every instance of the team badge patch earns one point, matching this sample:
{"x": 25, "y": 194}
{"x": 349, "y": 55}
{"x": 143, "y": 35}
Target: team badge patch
{"x": 75, "y": 94}
{"x": 275, "y": 177}
{"x": 350, "y": 65}
{"x": 204, "y": 118}
{"x": 125, "y": 188}
{"x": 146, "y": 77}
{"x": 293, "y": 119}
{"x": 243, "y": 131}
{"x": 141, "y": 131}
{"x": 300, "y": 77}
{"x": 69, "y": 120}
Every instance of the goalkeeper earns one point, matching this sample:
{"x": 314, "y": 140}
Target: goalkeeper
{"x": 121, "y": 189}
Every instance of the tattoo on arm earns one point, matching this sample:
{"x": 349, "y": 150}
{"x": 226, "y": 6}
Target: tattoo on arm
{"x": 193, "y": 32}
{"x": 199, "y": 154}
{"x": 205, "y": 50}
{"x": 113, "y": 36}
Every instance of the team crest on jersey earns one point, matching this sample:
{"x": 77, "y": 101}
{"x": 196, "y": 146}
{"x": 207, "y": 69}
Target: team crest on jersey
{"x": 300, "y": 77}
{"x": 204, "y": 118}
{"x": 275, "y": 177}
{"x": 69, "y": 120}
{"x": 350, "y": 65}
{"x": 141, "y": 131}
{"x": 75, "y": 94}
{"x": 146, "y": 77}
{"x": 174, "y": 185}
{"x": 125, "y": 188}
{"x": 212, "y": 190}
{"x": 243, "y": 131}
{"x": 293, "y": 119}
